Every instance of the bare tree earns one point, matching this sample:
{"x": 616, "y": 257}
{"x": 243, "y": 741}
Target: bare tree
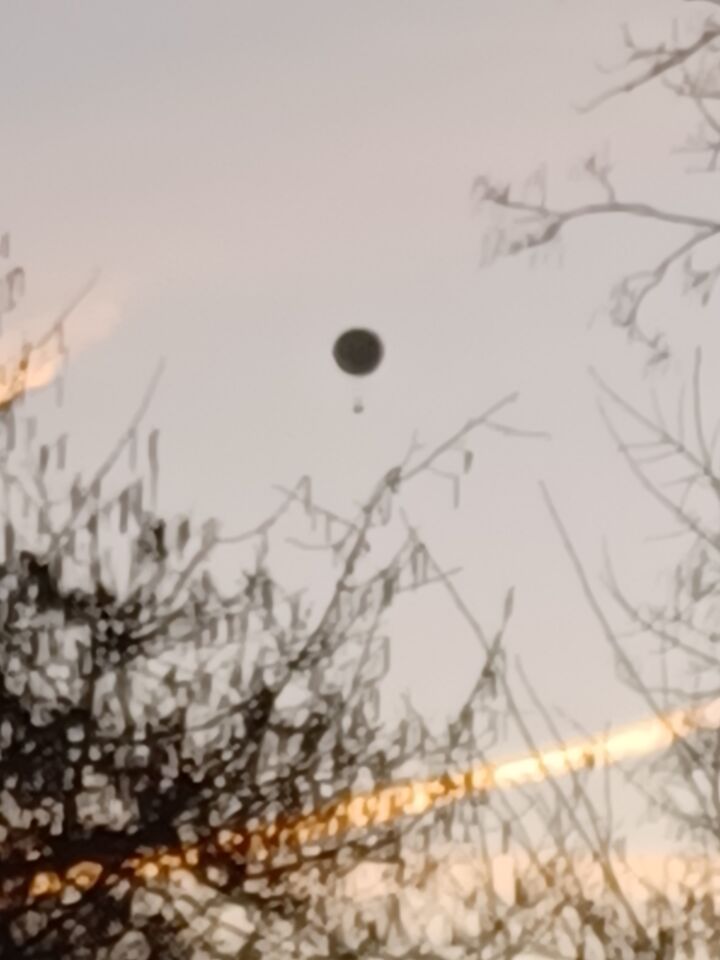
{"x": 525, "y": 218}
{"x": 169, "y": 751}
{"x": 185, "y": 772}
{"x": 674, "y": 457}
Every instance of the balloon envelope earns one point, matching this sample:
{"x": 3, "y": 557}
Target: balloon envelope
{"x": 358, "y": 352}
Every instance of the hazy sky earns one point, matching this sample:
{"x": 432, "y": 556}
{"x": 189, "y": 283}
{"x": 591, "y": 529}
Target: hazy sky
{"x": 252, "y": 178}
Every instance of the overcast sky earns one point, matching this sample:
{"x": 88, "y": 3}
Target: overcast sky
{"x": 252, "y": 178}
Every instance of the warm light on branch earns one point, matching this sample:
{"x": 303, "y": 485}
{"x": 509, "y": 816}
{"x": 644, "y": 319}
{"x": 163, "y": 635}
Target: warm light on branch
{"x": 415, "y": 798}
{"x": 80, "y": 326}
{"x": 27, "y": 378}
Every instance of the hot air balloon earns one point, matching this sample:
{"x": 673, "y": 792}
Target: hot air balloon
{"x": 358, "y": 352}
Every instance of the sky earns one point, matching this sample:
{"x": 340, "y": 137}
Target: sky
{"x": 252, "y": 179}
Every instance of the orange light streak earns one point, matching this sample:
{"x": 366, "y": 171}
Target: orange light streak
{"x": 27, "y": 377}
{"x": 413, "y": 798}
{"x": 37, "y": 367}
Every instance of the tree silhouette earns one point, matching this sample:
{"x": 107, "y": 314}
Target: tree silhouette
{"x": 168, "y": 750}
{"x": 673, "y": 456}
{"x": 190, "y": 773}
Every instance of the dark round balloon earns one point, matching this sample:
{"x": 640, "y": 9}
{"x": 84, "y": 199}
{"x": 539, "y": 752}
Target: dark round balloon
{"x": 358, "y": 352}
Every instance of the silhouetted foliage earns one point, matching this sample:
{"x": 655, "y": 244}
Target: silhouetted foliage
{"x": 189, "y": 773}
{"x": 162, "y": 743}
